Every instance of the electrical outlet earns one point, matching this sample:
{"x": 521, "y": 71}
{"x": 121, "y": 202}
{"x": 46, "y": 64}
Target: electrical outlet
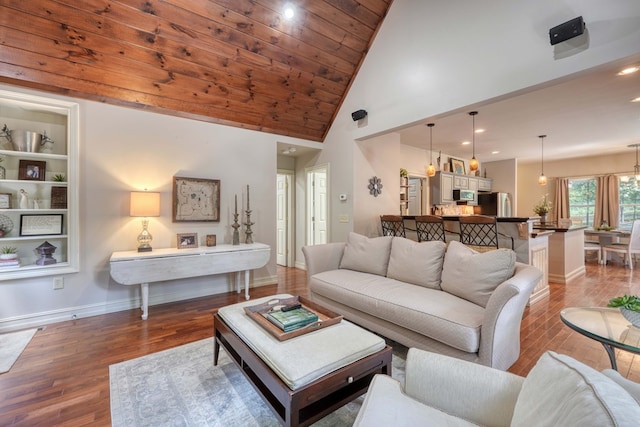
{"x": 343, "y": 218}
{"x": 58, "y": 282}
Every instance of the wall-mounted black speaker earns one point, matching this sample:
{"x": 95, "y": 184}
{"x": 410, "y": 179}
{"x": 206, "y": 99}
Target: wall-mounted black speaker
{"x": 566, "y": 31}
{"x": 358, "y": 115}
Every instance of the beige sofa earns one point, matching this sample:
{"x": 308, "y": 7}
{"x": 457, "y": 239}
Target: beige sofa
{"x": 559, "y": 391}
{"x": 447, "y": 299}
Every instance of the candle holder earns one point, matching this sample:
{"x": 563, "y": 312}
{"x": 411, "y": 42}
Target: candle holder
{"x": 235, "y": 225}
{"x": 247, "y": 231}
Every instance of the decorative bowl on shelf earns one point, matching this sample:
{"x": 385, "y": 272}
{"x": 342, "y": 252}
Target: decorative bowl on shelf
{"x": 631, "y": 316}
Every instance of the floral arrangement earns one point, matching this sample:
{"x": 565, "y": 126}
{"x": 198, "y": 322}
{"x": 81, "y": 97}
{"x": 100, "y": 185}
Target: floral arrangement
{"x": 543, "y": 207}
{"x": 403, "y": 172}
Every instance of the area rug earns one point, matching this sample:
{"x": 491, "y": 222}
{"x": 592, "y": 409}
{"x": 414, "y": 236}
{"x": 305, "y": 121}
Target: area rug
{"x": 181, "y": 387}
{"x": 12, "y": 345}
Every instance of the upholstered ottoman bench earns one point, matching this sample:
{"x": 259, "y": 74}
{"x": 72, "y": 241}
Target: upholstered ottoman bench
{"x": 307, "y": 377}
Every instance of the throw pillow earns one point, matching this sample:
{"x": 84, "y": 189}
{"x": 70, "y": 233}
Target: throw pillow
{"x": 416, "y": 263}
{"x": 368, "y": 255}
{"x": 560, "y": 391}
{"x": 474, "y": 276}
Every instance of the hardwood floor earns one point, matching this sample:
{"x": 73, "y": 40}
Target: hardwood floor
{"x": 62, "y": 378}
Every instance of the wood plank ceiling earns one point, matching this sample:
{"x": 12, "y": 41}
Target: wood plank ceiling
{"x": 233, "y": 62}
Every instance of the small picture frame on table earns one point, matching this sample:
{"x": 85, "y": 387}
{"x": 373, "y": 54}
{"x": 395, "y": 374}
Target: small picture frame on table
{"x": 211, "y": 239}
{"x": 187, "y": 240}
{"x": 5, "y": 200}
{"x": 32, "y": 170}
{"x": 457, "y": 166}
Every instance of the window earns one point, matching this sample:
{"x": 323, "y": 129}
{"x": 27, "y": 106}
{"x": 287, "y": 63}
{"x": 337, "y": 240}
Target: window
{"x": 582, "y": 199}
{"x": 629, "y": 203}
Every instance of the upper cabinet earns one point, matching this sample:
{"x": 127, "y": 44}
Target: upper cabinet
{"x": 443, "y": 183}
{"x": 38, "y": 186}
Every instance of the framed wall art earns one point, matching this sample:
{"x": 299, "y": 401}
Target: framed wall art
{"x": 196, "y": 199}
{"x": 31, "y": 170}
{"x": 40, "y": 225}
{"x": 187, "y": 240}
{"x": 5, "y": 200}
{"x": 457, "y": 166}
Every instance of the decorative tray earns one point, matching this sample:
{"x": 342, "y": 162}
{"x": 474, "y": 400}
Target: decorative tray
{"x": 326, "y": 317}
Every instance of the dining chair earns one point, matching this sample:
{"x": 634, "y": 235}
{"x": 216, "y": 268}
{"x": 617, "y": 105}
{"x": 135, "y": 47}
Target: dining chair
{"x": 480, "y": 232}
{"x": 593, "y": 247}
{"x": 430, "y": 227}
{"x": 392, "y": 225}
{"x": 626, "y": 249}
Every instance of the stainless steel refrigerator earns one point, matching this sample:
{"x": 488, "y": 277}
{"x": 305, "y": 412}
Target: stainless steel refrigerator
{"x": 498, "y": 204}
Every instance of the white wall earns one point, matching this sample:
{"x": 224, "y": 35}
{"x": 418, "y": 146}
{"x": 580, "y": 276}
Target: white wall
{"x": 530, "y": 192}
{"x": 122, "y": 150}
{"x": 433, "y": 57}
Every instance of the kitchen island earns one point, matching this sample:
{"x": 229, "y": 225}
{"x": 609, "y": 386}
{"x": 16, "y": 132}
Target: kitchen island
{"x": 530, "y": 245}
{"x": 566, "y": 251}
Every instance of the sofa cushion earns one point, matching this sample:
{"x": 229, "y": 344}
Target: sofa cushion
{"x": 435, "y": 314}
{"x": 416, "y": 263}
{"x": 474, "y": 276}
{"x": 561, "y": 391}
{"x": 387, "y": 405}
{"x": 369, "y": 255}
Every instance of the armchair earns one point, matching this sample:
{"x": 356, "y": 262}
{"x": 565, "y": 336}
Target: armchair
{"x": 441, "y": 390}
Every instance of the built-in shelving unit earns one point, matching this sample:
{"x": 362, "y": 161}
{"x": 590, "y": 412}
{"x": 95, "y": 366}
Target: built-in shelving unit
{"x": 51, "y": 211}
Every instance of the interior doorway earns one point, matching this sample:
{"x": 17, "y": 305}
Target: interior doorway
{"x": 317, "y": 221}
{"x": 284, "y": 218}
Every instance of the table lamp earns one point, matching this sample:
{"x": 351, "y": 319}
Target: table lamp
{"x": 145, "y": 204}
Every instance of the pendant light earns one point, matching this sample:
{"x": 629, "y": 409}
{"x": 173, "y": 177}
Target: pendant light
{"x": 473, "y": 164}
{"x": 636, "y": 168}
{"x": 431, "y": 170}
{"x": 542, "y": 180}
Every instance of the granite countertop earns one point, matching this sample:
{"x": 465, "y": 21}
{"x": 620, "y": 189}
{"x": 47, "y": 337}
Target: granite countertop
{"x": 554, "y": 227}
{"x": 457, "y": 217}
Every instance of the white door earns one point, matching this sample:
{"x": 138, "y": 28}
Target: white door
{"x": 282, "y": 204}
{"x": 317, "y": 205}
{"x": 415, "y": 196}
{"x": 285, "y": 218}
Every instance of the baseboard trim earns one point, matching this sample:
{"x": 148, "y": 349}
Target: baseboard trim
{"x": 89, "y": 310}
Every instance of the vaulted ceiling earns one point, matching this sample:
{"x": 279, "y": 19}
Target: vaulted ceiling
{"x": 233, "y": 62}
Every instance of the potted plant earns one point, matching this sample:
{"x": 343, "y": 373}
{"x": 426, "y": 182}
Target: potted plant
{"x": 403, "y": 177}
{"x": 629, "y": 307}
{"x": 8, "y": 252}
{"x": 542, "y": 208}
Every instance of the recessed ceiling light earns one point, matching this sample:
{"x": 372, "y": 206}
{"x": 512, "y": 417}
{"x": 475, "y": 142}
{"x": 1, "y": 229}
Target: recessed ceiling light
{"x": 288, "y": 11}
{"x": 479, "y": 130}
{"x": 495, "y": 152}
{"x": 636, "y": 99}
{"x": 466, "y": 142}
{"x": 628, "y": 70}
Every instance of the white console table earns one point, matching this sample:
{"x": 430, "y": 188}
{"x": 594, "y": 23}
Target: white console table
{"x": 132, "y": 267}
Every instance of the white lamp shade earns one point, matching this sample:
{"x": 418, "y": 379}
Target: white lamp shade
{"x": 145, "y": 203}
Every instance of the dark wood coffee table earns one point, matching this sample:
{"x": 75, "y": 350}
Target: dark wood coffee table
{"x": 311, "y": 402}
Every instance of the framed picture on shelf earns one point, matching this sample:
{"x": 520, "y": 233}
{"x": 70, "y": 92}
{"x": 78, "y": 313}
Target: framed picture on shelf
{"x": 5, "y": 200}
{"x": 31, "y": 170}
{"x": 187, "y": 240}
{"x": 196, "y": 199}
{"x": 457, "y": 166}
{"x": 41, "y": 225}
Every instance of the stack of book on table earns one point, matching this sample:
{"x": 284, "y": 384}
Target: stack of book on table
{"x": 15, "y": 262}
{"x": 292, "y": 319}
